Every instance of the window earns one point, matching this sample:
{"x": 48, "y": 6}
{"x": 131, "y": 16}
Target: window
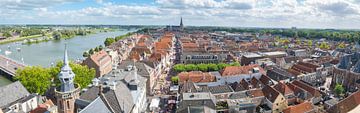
{"x": 68, "y": 105}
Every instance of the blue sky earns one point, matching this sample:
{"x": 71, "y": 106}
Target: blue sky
{"x": 235, "y": 13}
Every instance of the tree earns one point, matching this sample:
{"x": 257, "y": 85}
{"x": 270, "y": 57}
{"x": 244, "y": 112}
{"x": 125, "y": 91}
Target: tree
{"x": 57, "y": 35}
{"x": 339, "y": 89}
{"x": 324, "y": 45}
{"x": 86, "y": 54}
{"x": 91, "y": 51}
{"x": 235, "y": 64}
{"x": 190, "y": 67}
{"x": 202, "y": 67}
{"x": 213, "y": 67}
{"x": 35, "y": 79}
{"x": 341, "y": 45}
{"x": 109, "y": 41}
{"x": 175, "y": 80}
{"x": 101, "y": 47}
{"x": 7, "y": 34}
{"x": 83, "y": 74}
{"x": 179, "y": 67}
{"x": 97, "y": 49}
{"x": 310, "y": 43}
{"x": 222, "y": 65}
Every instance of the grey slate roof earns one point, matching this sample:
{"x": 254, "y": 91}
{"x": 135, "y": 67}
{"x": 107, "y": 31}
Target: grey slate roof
{"x": 120, "y": 99}
{"x": 97, "y": 106}
{"x": 344, "y": 62}
{"x": 356, "y": 68}
{"x": 142, "y": 68}
{"x": 90, "y": 94}
{"x": 11, "y": 93}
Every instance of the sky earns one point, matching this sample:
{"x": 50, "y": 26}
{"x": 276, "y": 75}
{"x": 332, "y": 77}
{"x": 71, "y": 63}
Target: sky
{"x": 338, "y": 14}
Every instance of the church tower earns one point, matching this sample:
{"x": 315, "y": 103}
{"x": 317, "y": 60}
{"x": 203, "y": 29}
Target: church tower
{"x": 181, "y": 24}
{"x": 68, "y": 91}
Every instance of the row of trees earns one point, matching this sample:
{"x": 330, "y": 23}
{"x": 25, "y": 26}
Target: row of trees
{"x": 330, "y": 34}
{"x": 92, "y": 51}
{"x": 57, "y": 35}
{"x": 38, "y": 79}
{"x": 202, "y": 67}
{"x": 109, "y": 41}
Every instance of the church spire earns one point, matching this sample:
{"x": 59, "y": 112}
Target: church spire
{"x": 181, "y": 23}
{"x": 66, "y": 75}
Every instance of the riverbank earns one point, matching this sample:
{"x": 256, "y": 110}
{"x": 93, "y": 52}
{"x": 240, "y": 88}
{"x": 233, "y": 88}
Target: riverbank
{"x": 19, "y": 39}
{"x": 48, "y": 52}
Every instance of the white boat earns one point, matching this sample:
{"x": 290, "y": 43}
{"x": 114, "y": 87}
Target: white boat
{"x": 8, "y": 52}
{"x": 18, "y": 49}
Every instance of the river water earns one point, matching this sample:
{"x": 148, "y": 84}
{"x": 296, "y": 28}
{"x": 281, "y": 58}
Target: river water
{"x": 46, "y": 53}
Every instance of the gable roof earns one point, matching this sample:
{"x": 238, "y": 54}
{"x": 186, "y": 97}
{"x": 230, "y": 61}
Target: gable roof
{"x": 283, "y": 88}
{"x": 196, "y": 76}
{"x": 300, "y": 108}
{"x": 270, "y": 93}
{"x": 97, "y": 105}
{"x": 346, "y": 104}
{"x": 99, "y": 57}
{"x": 256, "y": 93}
{"x": 120, "y": 100}
{"x": 12, "y": 92}
{"x": 236, "y": 70}
{"x": 308, "y": 88}
{"x": 266, "y": 80}
{"x": 255, "y": 83}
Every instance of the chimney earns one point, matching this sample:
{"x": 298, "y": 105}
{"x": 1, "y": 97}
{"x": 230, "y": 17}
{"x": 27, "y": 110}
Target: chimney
{"x": 95, "y": 82}
{"x": 100, "y": 90}
{"x": 113, "y": 85}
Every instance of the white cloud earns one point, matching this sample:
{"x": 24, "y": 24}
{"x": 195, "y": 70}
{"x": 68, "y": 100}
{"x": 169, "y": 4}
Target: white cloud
{"x": 262, "y": 13}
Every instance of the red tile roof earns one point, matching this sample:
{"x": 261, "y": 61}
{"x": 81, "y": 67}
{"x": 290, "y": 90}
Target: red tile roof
{"x": 313, "y": 91}
{"x": 300, "y": 108}
{"x": 236, "y": 70}
{"x": 42, "y": 108}
{"x": 283, "y": 88}
{"x": 256, "y": 83}
{"x": 256, "y": 93}
{"x": 244, "y": 84}
{"x": 347, "y": 104}
{"x": 100, "y": 56}
{"x": 304, "y": 67}
{"x": 265, "y": 80}
{"x": 196, "y": 77}
{"x": 270, "y": 93}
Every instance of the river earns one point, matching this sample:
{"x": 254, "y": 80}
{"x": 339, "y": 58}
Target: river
{"x": 45, "y": 53}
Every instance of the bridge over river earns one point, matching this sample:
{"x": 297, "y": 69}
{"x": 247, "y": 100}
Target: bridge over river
{"x": 8, "y": 67}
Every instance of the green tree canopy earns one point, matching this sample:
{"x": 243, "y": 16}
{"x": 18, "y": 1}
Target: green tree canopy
{"x": 190, "y": 67}
{"x": 341, "y": 45}
{"x": 202, "y": 67}
{"x": 235, "y": 64}
{"x": 222, "y": 65}
{"x": 36, "y": 79}
{"x": 339, "y": 89}
{"x": 86, "y": 54}
{"x": 109, "y": 41}
{"x": 7, "y": 34}
{"x": 175, "y": 80}
{"x": 83, "y": 74}
{"x": 179, "y": 67}
{"x": 213, "y": 67}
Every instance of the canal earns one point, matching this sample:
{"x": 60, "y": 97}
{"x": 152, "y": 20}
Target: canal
{"x": 45, "y": 53}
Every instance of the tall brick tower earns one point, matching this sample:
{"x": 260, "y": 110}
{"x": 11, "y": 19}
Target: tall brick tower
{"x": 67, "y": 92}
